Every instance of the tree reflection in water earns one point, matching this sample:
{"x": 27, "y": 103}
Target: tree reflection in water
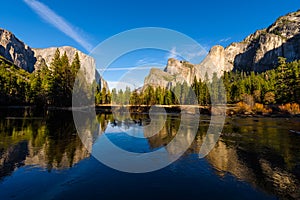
{"x": 260, "y": 151}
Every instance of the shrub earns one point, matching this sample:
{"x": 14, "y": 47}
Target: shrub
{"x": 248, "y": 99}
{"x": 289, "y": 108}
{"x": 260, "y": 108}
{"x": 256, "y": 95}
{"x": 243, "y": 108}
{"x": 269, "y": 98}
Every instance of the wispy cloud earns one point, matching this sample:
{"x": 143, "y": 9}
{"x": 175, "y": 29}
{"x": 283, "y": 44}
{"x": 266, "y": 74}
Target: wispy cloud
{"x": 191, "y": 53}
{"x": 122, "y": 85}
{"x": 225, "y": 40}
{"x": 150, "y": 61}
{"x": 58, "y": 22}
{"x": 173, "y": 54}
{"x": 196, "y": 54}
{"x": 129, "y": 68}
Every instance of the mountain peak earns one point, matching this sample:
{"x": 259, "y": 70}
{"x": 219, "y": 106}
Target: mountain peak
{"x": 16, "y": 51}
{"x": 260, "y": 50}
{"x": 257, "y": 52}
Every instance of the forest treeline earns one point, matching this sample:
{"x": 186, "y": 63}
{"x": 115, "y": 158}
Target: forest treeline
{"x": 47, "y": 85}
{"x": 52, "y": 85}
{"x": 277, "y": 86}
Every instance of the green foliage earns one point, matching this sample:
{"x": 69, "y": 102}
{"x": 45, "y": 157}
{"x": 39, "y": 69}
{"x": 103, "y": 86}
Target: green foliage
{"x": 269, "y": 98}
{"x": 14, "y": 83}
{"x": 279, "y": 85}
{"x": 51, "y": 85}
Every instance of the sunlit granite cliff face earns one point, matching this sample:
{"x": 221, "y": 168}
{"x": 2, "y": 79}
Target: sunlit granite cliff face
{"x": 182, "y": 71}
{"x": 258, "y": 52}
{"x": 87, "y": 62}
{"x": 30, "y": 59}
{"x": 175, "y": 72}
{"x": 16, "y": 51}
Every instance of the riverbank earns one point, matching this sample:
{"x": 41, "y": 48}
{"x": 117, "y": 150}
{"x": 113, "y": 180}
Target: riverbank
{"x": 242, "y": 110}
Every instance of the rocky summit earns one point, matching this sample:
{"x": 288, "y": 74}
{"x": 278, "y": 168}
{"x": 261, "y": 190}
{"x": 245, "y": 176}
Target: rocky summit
{"x": 45, "y": 55}
{"x": 31, "y": 59}
{"x": 16, "y": 51}
{"x": 258, "y": 52}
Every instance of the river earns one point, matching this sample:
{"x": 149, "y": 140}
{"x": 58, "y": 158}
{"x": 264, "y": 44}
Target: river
{"x": 42, "y": 157}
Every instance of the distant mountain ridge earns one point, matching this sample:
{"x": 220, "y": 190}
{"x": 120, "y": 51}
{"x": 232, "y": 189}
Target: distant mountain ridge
{"x": 260, "y": 50}
{"x": 16, "y": 51}
{"x": 30, "y": 59}
{"x": 46, "y": 55}
{"x": 257, "y": 52}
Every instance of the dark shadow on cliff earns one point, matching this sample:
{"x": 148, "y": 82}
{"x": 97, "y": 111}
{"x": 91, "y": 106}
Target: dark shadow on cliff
{"x": 245, "y": 61}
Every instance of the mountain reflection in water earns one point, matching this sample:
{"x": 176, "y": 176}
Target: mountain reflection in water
{"x": 259, "y": 151}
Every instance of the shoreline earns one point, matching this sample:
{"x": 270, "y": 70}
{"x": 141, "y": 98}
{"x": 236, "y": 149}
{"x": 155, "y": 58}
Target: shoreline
{"x": 231, "y": 110}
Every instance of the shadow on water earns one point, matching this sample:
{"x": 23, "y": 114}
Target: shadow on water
{"x": 259, "y": 151}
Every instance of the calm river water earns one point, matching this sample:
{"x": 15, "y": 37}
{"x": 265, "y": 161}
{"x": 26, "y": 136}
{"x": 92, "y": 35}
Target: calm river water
{"x": 42, "y": 157}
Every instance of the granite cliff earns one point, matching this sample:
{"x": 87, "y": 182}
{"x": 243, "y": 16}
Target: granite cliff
{"x": 16, "y": 51}
{"x": 88, "y": 63}
{"x": 260, "y": 50}
{"x": 257, "y": 52}
{"x": 31, "y": 59}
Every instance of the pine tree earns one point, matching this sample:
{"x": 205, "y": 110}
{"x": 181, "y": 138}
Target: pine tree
{"x": 75, "y": 66}
{"x": 35, "y": 88}
{"x": 168, "y": 99}
{"x": 205, "y": 91}
{"x": 114, "y": 96}
{"x": 120, "y": 97}
{"x": 214, "y": 88}
{"x": 281, "y": 85}
{"x": 65, "y": 80}
{"x": 135, "y": 99}
{"x": 56, "y": 84}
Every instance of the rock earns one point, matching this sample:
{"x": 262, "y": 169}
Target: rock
{"x": 158, "y": 78}
{"x": 182, "y": 71}
{"x": 214, "y": 62}
{"x": 16, "y": 51}
{"x": 175, "y": 72}
{"x": 87, "y": 62}
{"x": 29, "y": 59}
{"x": 258, "y": 52}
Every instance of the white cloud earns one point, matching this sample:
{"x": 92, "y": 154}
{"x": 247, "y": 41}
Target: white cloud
{"x": 150, "y": 61}
{"x": 173, "y": 54}
{"x": 191, "y": 53}
{"x": 122, "y": 85}
{"x": 195, "y": 54}
{"x": 142, "y": 61}
{"x": 225, "y": 40}
{"x": 129, "y": 68}
{"x": 58, "y": 22}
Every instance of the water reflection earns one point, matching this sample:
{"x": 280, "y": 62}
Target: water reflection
{"x": 260, "y": 151}
{"x": 49, "y": 142}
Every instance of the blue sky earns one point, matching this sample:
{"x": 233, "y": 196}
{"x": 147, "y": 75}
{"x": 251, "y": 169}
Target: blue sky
{"x": 93, "y": 21}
